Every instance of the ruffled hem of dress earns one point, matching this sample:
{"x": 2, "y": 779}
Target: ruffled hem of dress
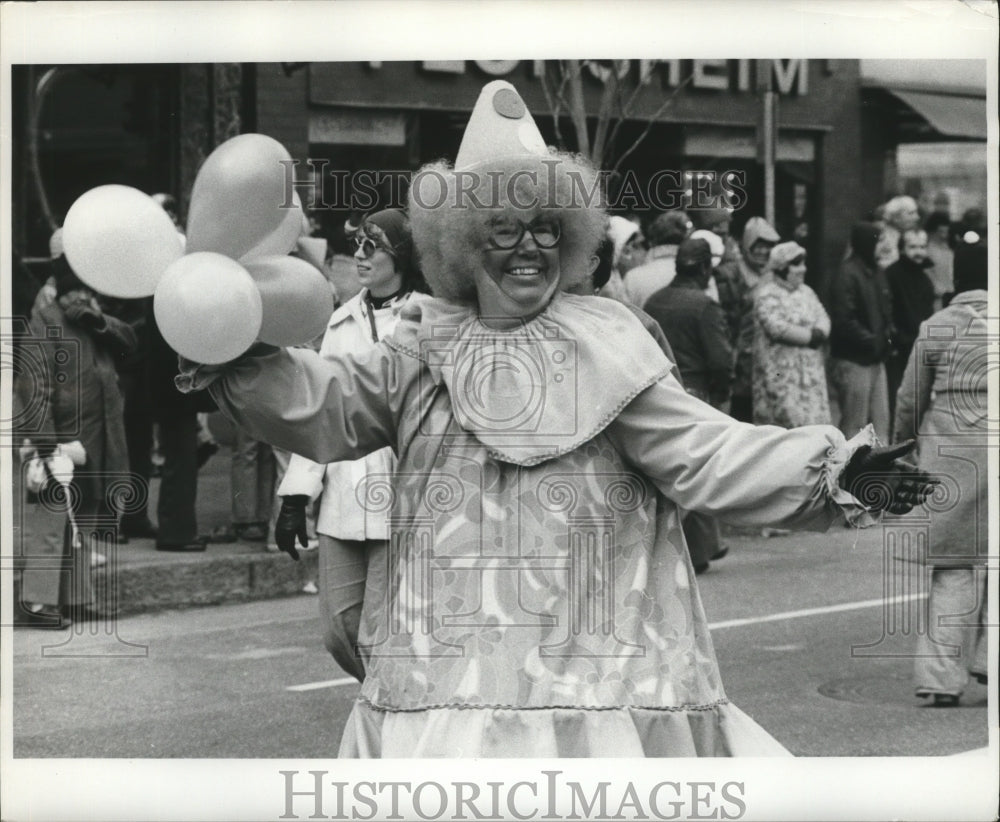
{"x": 717, "y": 730}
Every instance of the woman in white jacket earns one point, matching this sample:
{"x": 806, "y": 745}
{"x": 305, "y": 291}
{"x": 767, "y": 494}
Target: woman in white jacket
{"x": 351, "y": 521}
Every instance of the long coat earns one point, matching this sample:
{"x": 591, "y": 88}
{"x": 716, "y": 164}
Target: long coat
{"x": 942, "y": 401}
{"x": 79, "y": 399}
{"x": 343, "y": 511}
{"x": 83, "y": 400}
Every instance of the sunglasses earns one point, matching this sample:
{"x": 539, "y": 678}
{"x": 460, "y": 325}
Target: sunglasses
{"x": 368, "y": 246}
{"x": 507, "y": 234}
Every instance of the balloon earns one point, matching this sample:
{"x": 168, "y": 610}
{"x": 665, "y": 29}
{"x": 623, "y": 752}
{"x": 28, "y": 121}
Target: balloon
{"x": 297, "y": 300}
{"x": 237, "y": 196}
{"x": 207, "y": 308}
{"x": 283, "y": 239}
{"x": 119, "y": 241}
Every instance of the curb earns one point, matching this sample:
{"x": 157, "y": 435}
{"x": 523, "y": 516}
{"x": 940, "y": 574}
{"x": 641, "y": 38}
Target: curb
{"x": 155, "y": 584}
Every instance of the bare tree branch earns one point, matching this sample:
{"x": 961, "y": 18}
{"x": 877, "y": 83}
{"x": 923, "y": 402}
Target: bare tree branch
{"x": 554, "y": 104}
{"x": 650, "y": 121}
{"x": 577, "y": 107}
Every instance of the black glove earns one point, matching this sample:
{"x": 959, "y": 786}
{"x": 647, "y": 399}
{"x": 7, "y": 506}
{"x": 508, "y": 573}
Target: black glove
{"x": 875, "y": 478}
{"x": 291, "y": 524}
{"x": 817, "y": 338}
{"x": 83, "y": 314}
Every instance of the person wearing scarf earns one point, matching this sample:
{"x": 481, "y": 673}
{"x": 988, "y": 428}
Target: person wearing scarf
{"x": 535, "y": 597}
{"x": 349, "y": 531}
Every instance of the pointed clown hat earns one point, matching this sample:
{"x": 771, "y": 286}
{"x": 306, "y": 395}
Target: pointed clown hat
{"x": 503, "y": 165}
{"x": 500, "y": 126}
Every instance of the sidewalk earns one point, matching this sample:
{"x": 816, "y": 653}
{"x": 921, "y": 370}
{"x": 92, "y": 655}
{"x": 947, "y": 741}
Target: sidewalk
{"x": 139, "y": 579}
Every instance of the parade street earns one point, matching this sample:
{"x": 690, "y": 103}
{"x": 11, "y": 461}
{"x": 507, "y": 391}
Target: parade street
{"x": 253, "y": 680}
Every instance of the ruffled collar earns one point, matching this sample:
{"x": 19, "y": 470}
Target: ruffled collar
{"x": 542, "y": 389}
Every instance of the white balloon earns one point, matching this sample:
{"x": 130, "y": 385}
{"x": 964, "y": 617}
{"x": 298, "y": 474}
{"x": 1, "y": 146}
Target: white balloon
{"x": 119, "y": 241}
{"x": 282, "y": 239}
{"x": 297, "y": 300}
{"x": 208, "y": 308}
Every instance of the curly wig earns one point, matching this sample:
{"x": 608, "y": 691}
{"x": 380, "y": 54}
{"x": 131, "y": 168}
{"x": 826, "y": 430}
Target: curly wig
{"x": 450, "y": 212}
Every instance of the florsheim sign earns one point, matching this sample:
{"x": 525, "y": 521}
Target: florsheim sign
{"x": 454, "y": 84}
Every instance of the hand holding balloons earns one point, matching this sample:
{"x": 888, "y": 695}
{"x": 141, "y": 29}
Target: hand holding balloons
{"x": 208, "y": 306}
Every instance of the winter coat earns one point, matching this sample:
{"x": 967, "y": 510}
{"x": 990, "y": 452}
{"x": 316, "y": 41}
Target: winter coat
{"x": 912, "y": 301}
{"x": 696, "y": 329}
{"x": 789, "y": 377}
{"x": 942, "y": 401}
{"x": 345, "y": 509}
{"x": 83, "y": 400}
{"x": 860, "y": 314}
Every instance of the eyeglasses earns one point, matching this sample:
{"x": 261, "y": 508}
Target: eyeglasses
{"x": 507, "y": 234}
{"x": 368, "y": 246}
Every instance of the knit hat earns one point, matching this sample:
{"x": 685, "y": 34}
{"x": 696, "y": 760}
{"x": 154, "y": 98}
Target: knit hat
{"x": 783, "y": 254}
{"x": 56, "y": 244}
{"x": 757, "y": 229}
{"x": 669, "y": 228}
{"x": 392, "y": 228}
{"x": 692, "y": 251}
{"x": 715, "y": 243}
{"x": 864, "y": 238}
{"x": 620, "y": 231}
{"x": 971, "y": 266}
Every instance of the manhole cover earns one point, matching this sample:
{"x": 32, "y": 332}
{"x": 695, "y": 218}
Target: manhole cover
{"x": 880, "y": 690}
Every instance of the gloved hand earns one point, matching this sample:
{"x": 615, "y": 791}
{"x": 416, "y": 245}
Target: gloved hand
{"x": 875, "y": 478}
{"x": 817, "y": 338}
{"x": 291, "y": 524}
{"x": 85, "y": 314}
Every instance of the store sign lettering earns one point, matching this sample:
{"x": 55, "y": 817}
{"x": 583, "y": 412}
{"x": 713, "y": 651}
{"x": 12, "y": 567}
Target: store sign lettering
{"x": 789, "y": 76}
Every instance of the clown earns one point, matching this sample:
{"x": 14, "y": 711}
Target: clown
{"x": 535, "y": 597}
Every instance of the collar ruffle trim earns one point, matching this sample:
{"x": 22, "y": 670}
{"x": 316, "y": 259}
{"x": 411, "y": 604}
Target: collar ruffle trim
{"x": 542, "y": 389}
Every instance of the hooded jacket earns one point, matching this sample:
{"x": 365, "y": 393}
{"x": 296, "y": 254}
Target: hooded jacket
{"x": 861, "y": 304}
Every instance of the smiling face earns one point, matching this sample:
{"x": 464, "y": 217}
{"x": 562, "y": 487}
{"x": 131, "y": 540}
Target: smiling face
{"x": 796, "y": 274}
{"x": 376, "y": 267}
{"x": 514, "y": 284}
{"x": 915, "y": 246}
{"x": 760, "y": 252}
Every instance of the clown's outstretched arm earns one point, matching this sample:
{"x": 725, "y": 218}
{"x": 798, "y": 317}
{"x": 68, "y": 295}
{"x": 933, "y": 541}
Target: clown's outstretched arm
{"x": 292, "y": 398}
{"x": 740, "y": 473}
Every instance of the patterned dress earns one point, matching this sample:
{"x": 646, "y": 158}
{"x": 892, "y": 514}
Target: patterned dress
{"x": 536, "y": 597}
{"x": 789, "y": 379}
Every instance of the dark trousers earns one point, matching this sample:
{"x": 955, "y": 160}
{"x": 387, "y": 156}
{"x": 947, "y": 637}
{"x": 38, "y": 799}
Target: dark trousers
{"x": 175, "y": 514}
{"x": 702, "y": 536}
{"x": 139, "y": 440}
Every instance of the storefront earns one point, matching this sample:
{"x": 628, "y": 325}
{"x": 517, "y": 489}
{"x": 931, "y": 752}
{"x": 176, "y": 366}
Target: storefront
{"x": 151, "y": 126}
{"x": 698, "y": 116}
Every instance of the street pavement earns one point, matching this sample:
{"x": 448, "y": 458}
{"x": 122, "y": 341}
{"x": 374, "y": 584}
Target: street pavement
{"x": 790, "y": 615}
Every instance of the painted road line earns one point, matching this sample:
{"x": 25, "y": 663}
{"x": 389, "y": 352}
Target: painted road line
{"x": 329, "y": 683}
{"x": 731, "y": 623}
{"x": 826, "y": 609}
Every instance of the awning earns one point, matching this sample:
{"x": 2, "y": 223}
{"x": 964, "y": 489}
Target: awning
{"x": 951, "y": 115}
